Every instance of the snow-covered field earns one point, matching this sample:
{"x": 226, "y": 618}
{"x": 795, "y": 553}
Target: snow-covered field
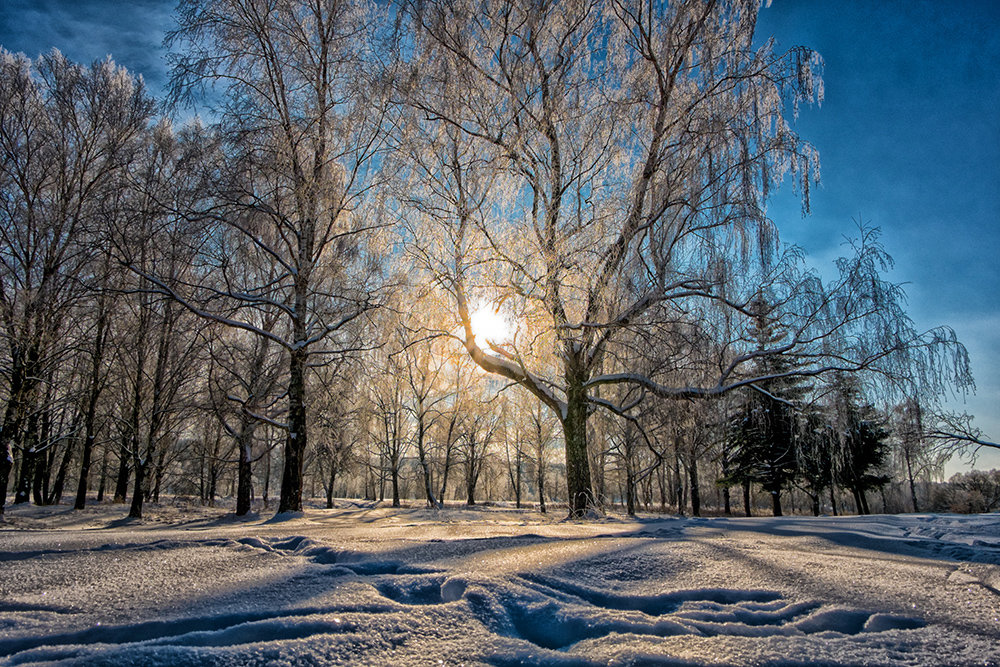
{"x": 375, "y": 586}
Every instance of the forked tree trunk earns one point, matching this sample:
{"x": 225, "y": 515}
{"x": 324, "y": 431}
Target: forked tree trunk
{"x": 858, "y": 509}
{"x": 864, "y": 502}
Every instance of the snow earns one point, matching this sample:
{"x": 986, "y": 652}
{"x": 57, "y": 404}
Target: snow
{"x": 366, "y": 584}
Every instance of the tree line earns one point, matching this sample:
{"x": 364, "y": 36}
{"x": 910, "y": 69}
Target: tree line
{"x": 296, "y": 279}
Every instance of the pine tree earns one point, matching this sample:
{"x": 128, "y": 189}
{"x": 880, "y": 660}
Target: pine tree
{"x": 864, "y": 444}
{"x": 814, "y": 455}
{"x": 765, "y": 432}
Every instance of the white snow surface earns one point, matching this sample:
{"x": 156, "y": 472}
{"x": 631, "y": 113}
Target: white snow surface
{"x": 365, "y": 584}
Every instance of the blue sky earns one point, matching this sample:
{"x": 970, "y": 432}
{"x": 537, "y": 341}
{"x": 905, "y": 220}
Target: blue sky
{"x": 908, "y": 136}
{"x": 909, "y": 141}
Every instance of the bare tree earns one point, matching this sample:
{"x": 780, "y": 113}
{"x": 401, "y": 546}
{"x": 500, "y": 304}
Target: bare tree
{"x": 480, "y": 427}
{"x": 426, "y": 394}
{"x": 302, "y": 126}
{"x": 391, "y": 423}
{"x": 67, "y": 132}
{"x": 245, "y": 394}
{"x": 600, "y": 166}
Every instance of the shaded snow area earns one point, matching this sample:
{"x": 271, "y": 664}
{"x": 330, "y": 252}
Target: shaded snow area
{"x": 374, "y": 586}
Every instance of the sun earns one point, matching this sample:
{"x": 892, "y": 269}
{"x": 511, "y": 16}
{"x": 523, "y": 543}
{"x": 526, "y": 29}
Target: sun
{"x": 490, "y": 326}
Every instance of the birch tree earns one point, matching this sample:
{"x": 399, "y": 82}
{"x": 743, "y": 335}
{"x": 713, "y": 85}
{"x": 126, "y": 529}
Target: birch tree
{"x": 67, "y": 133}
{"x": 301, "y": 130}
{"x": 600, "y": 166}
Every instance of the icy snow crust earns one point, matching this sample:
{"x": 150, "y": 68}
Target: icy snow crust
{"x": 370, "y": 585}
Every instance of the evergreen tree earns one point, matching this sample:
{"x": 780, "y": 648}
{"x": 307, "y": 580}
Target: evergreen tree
{"x": 864, "y": 444}
{"x": 765, "y": 433}
{"x": 814, "y": 455}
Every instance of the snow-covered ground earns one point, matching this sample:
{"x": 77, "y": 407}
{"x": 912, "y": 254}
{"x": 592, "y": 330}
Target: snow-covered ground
{"x": 374, "y": 586}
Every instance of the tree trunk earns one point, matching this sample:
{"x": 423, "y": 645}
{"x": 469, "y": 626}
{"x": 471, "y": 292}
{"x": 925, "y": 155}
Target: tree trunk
{"x": 244, "y": 473}
{"x": 57, "y": 487}
{"x": 578, "y": 489}
{"x": 514, "y": 471}
{"x": 40, "y": 487}
{"x": 267, "y": 476}
{"x": 23, "y": 381}
{"x": 6, "y": 464}
{"x": 89, "y": 437}
{"x": 776, "y": 503}
{"x": 678, "y": 483}
{"x": 395, "y": 482}
{"x": 630, "y": 486}
{"x": 909, "y": 475}
{"x": 695, "y": 489}
{"x": 135, "y": 511}
{"x": 517, "y": 484}
{"x": 10, "y": 427}
{"x": 746, "y": 499}
{"x": 161, "y": 460}
{"x": 726, "y": 500}
{"x": 213, "y": 481}
{"x": 141, "y": 466}
{"x": 424, "y": 464}
{"x": 146, "y": 463}
{"x": 540, "y": 473}
{"x": 295, "y": 447}
{"x": 332, "y": 479}
{"x": 26, "y": 474}
{"x": 102, "y": 482}
{"x": 93, "y": 394}
{"x": 121, "y": 482}
{"x": 470, "y": 492}
{"x": 661, "y": 479}
{"x": 471, "y": 476}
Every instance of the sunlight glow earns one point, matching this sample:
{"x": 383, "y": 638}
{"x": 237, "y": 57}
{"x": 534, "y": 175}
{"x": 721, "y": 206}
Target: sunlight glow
{"x": 489, "y": 325}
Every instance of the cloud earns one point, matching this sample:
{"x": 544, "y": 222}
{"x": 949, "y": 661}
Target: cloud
{"x": 87, "y": 30}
